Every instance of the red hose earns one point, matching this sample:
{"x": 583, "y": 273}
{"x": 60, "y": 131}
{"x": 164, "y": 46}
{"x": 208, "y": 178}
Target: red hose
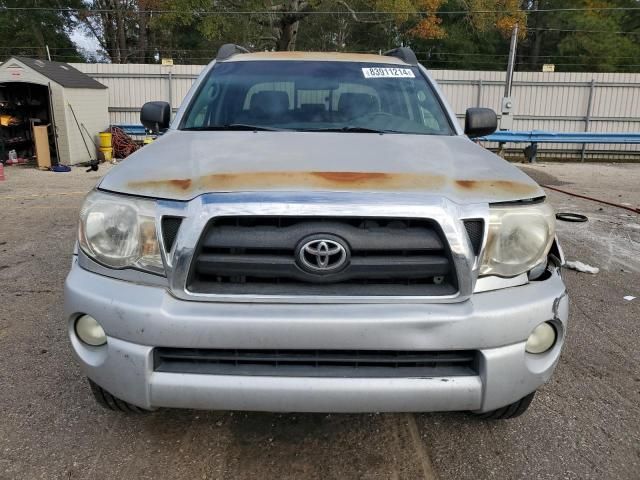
{"x": 632, "y": 209}
{"x": 123, "y": 145}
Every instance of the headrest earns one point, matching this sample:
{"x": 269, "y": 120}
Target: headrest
{"x": 357, "y": 104}
{"x": 269, "y": 102}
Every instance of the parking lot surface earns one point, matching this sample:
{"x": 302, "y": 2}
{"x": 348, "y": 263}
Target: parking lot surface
{"x": 584, "y": 424}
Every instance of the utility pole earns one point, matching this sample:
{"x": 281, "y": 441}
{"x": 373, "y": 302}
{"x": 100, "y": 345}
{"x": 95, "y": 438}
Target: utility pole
{"x": 48, "y": 53}
{"x": 506, "y": 120}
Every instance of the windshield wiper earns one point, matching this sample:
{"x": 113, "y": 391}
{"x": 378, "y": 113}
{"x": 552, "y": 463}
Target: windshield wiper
{"x": 232, "y": 126}
{"x": 348, "y": 129}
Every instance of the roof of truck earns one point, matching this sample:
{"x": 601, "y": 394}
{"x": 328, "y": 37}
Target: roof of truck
{"x": 317, "y": 57}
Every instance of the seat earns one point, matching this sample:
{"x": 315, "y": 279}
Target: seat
{"x": 269, "y": 105}
{"x": 353, "y": 105}
{"x": 313, "y": 112}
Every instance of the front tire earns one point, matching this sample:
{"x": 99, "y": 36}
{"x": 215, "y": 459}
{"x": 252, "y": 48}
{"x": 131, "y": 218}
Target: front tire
{"x": 510, "y": 411}
{"x": 108, "y": 401}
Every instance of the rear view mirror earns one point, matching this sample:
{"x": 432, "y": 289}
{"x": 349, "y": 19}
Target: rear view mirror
{"x": 479, "y": 122}
{"x": 155, "y": 116}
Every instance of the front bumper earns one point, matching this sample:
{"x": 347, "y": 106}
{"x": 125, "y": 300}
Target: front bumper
{"x": 138, "y": 318}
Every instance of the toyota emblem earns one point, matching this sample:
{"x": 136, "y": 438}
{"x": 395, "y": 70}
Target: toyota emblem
{"x": 322, "y": 254}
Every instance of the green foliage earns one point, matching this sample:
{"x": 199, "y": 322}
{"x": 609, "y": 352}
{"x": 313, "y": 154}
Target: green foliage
{"x": 572, "y": 40}
{"x": 28, "y": 32}
{"x": 444, "y": 33}
{"x": 601, "y": 48}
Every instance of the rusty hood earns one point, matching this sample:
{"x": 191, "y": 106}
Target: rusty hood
{"x": 182, "y": 165}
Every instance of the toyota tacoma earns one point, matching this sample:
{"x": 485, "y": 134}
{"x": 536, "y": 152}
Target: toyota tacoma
{"x": 315, "y": 232}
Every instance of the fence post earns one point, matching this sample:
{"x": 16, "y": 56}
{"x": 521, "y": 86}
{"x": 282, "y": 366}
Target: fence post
{"x": 587, "y": 118}
{"x": 479, "y": 97}
{"x": 170, "y": 78}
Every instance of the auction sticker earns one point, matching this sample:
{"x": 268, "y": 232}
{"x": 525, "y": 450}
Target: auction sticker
{"x": 387, "y": 72}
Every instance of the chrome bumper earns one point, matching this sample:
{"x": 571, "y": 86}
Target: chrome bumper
{"x": 138, "y": 318}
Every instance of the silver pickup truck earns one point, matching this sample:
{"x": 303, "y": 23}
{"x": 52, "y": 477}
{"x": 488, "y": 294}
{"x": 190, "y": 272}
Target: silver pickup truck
{"x": 315, "y": 232}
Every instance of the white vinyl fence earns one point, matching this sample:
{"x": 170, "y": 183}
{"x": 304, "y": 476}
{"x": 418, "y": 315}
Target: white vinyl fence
{"x": 559, "y": 102}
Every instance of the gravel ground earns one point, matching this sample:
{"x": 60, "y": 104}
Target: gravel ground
{"x": 584, "y": 424}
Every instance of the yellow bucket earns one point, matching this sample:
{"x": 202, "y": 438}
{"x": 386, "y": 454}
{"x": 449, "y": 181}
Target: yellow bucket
{"x": 105, "y": 140}
{"x": 107, "y": 152}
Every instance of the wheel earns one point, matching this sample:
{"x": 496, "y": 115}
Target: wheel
{"x": 106, "y": 400}
{"x": 510, "y": 411}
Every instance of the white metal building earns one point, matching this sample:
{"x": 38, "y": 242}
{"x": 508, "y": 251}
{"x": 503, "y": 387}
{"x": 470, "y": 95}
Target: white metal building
{"x": 37, "y": 92}
{"x": 556, "y": 102}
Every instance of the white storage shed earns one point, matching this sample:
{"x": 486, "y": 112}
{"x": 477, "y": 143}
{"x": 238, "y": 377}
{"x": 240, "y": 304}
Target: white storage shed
{"x": 39, "y": 93}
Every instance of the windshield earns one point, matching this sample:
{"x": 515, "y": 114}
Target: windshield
{"x": 316, "y": 96}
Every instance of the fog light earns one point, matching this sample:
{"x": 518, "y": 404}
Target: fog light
{"x": 541, "y": 339}
{"x": 90, "y": 332}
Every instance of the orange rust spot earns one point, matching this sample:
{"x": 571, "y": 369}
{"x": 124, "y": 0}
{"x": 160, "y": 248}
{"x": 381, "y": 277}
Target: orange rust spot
{"x": 467, "y": 184}
{"x": 334, "y": 181}
{"x": 496, "y": 186}
{"x": 184, "y": 184}
{"x": 174, "y": 184}
{"x": 373, "y": 181}
{"x": 351, "y": 176}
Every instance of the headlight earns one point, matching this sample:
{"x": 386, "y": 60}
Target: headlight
{"x": 541, "y": 339}
{"x": 120, "y": 232}
{"x": 90, "y": 332}
{"x": 519, "y": 238}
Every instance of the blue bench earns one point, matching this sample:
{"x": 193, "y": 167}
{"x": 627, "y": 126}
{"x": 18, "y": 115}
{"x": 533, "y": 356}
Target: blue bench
{"x": 132, "y": 129}
{"x": 534, "y": 137}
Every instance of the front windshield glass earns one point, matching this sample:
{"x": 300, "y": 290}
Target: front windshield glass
{"x": 316, "y": 96}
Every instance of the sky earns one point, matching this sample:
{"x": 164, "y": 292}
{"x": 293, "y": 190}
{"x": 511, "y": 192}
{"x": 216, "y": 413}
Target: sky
{"x": 86, "y": 42}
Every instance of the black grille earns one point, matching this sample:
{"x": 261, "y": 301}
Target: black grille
{"x": 475, "y": 230}
{"x": 316, "y": 363}
{"x": 170, "y": 227}
{"x": 258, "y": 255}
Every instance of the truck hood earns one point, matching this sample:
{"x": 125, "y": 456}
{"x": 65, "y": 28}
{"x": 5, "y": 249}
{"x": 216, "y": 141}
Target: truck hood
{"x": 182, "y": 165}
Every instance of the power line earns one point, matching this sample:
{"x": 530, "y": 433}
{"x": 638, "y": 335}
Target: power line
{"x": 164, "y": 49}
{"x": 503, "y": 56}
{"x": 425, "y": 60}
{"x": 429, "y": 54}
{"x": 313, "y": 12}
{"x": 483, "y": 62}
{"x": 579, "y": 31}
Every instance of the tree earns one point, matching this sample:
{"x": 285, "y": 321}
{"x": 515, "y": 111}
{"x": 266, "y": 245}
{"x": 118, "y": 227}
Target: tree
{"x": 469, "y": 34}
{"x": 474, "y": 34}
{"x": 28, "y": 33}
{"x": 277, "y": 25}
{"x": 582, "y": 40}
{"x": 122, "y": 27}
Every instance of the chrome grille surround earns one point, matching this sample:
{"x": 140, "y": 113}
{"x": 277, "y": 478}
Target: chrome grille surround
{"x": 198, "y": 213}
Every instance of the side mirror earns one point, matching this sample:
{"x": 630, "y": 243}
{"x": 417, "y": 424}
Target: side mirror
{"x": 479, "y": 122}
{"x": 155, "y": 116}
